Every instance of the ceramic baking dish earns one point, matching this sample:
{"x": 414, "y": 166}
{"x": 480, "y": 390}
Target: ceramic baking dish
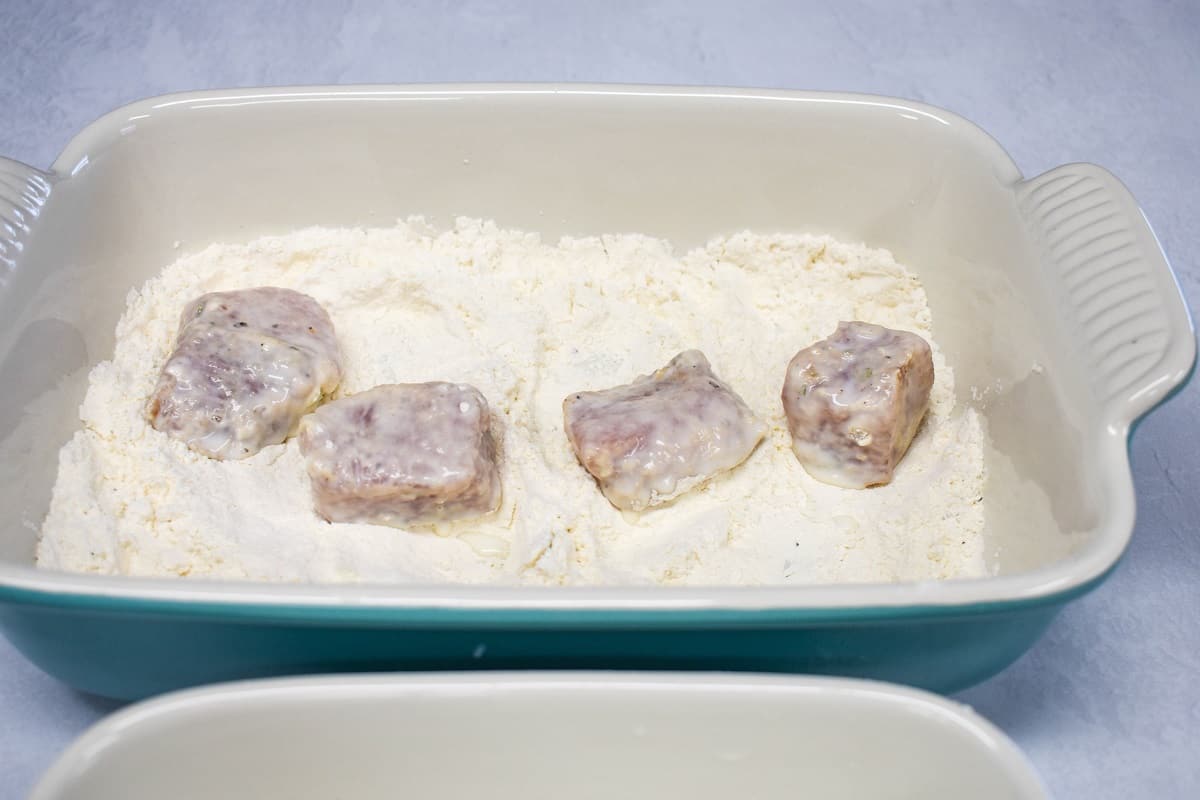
{"x": 542, "y": 735}
{"x": 1051, "y": 298}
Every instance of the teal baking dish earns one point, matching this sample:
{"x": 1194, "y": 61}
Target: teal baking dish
{"x": 1052, "y": 300}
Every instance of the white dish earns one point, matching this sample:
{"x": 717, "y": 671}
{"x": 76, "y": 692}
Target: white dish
{"x": 539, "y": 735}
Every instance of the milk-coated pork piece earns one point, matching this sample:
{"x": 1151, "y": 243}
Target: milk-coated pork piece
{"x": 403, "y": 454}
{"x": 649, "y": 441}
{"x": 854, "y": 401}
{"x": 247, "y": 365}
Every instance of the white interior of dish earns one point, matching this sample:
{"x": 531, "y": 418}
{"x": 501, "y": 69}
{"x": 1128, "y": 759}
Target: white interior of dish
{"x": 579, "y": 737}
{"x": 682, "y": 165}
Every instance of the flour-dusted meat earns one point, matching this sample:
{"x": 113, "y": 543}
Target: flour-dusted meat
{"x": 854, "y": 400}
{"x": 247, "y": 365}
{"x": 649, "y": 441}
{"x": 403, "y": 454}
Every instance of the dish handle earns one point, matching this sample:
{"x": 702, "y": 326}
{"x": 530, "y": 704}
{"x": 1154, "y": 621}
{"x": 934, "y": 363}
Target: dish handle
{"x": 1113, "y": 286}
{"x": 23, "y": 192}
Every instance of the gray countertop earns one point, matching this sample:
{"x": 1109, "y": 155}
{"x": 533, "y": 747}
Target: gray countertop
{"x": 1107, "y": 704}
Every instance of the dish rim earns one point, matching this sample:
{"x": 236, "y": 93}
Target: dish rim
{"x": 1050, "y": 584}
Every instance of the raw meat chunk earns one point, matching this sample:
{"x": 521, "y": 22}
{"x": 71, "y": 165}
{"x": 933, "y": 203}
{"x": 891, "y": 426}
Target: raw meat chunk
{"x": 247, "y": 365}
{"x": 403, "y": 454}
{"x": 854, "y": 400}
{"x": 650, "y": 441}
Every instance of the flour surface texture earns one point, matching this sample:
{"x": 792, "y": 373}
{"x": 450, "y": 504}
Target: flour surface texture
{"x": 527, "y": 322}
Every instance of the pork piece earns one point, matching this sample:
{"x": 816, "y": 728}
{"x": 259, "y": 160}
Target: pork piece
{"x": 247, "y": 365}
{"x": 403, "y": 454}
{"x": 854, "y": 400}
{"x": 650, "y": 441}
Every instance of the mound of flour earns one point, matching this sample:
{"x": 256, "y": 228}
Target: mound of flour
{"x": 527, "y": 322}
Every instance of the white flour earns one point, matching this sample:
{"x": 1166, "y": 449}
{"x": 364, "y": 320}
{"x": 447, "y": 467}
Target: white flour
{"x": 527, "y": 323}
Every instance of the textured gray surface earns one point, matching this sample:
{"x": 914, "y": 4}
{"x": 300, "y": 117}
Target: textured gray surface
{"x": 1107, "y": 704}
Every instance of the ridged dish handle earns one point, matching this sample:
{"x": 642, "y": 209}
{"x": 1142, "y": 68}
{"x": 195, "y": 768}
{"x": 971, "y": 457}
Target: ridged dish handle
{"x": 1118, "y": 298}
{"x": 23, "y": 192}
